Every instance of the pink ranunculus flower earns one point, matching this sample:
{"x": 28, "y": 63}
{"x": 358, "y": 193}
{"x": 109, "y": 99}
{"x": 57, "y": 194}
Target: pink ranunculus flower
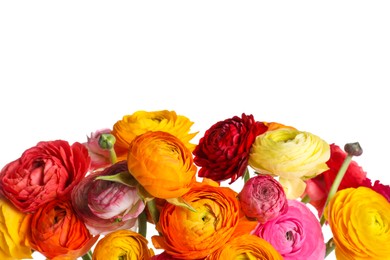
{"x": 295, "y": 235}
{"x": 43, "y": 173}
{"x": 99, "y": 157}
{"x": 263, "y": 198}
{"x": 106, "y": 206}
{"x": 163, "y": 256}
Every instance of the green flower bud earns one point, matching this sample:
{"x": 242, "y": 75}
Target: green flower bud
{"x": 107, "y": 141}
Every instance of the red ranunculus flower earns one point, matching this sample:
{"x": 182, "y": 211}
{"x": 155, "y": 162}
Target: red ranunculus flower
{"x": 44, "y": 172}
{"x": 223, "y": 151}
{"x": 318, "y": 188}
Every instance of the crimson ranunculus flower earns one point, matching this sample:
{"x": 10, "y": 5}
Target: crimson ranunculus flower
{"x": 263, "y": 198}
{"x": 318, "y": 187}
{"x": 106, "y": 206}
{"x": 223, "y": 151}
{"x": 43, "y": 173}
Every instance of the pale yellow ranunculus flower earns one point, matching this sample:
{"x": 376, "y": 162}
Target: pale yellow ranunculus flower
{"x": 13, "y": 232}
{"x": 292, "y": 155}
{"x": 360, "y": 222}
{"x": 131, "y": 126}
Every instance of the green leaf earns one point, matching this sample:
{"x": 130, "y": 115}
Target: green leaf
{"x": 181, "y": 203}
{"x": 122, "y": 177}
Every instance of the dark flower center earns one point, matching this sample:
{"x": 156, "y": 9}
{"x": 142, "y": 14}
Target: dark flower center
{"x": 289, "y": 235}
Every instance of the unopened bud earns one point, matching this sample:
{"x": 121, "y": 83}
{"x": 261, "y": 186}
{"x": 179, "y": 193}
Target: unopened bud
{"x": 353, "y": 149}
{"x": 107, "y": 141}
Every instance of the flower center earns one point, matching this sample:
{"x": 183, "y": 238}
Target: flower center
{"x": 289, "y": 235}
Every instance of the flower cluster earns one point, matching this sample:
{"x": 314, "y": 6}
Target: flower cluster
{"x": 95, "y": 199}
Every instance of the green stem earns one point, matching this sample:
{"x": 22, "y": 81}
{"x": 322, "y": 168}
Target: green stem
{"x": 246, "y": 175}
{"x": 336, "y": 183}
{"x": 142, "y": 225}
{"x": 305, "y": 199}
{"x": 153, "y": 210}
{"x": 330, "y": 246}
{"x": 87, "y": 256}
{"x": 113, "y": 157}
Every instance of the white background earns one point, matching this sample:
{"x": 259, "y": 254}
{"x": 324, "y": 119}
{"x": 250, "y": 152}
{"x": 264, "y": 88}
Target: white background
{"x": 68, "y": 68}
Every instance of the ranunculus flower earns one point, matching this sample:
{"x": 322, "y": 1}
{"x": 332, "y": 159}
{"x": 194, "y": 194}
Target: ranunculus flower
{"x": 57, "y": 232}
{"x": 275, "y": 125}
{"x": 163, "y": 256}
{"x": 223, "y": 151}
{"x": 162, "y": 164}
{"x": 14, "y": 226}
{"x": 379, "y": 187}
{"x": 122, "y": 244}
{"x": 296, "y": 235}
{"x": 99, "y": 157}
{"x": 105, "y": 206}
{"x": 318, "y": 187}
{"x": 262, "y": 197}
{"x": 292, "y": 155}
{"x": 246, "y": 247}
{"x": 194, "y": 235}
{"x": 43, "y": 173}
{"x": 360, "y": 222}
{"x": 131, "y": 126}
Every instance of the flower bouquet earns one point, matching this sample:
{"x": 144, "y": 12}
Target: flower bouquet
{"x": 247, "y": 190}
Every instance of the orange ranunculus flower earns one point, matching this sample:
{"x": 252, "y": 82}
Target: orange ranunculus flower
{"x": 275, "y": 125}
{"x": 57, "y": 233}
{"x": 161, "y": 164}
{"x": 245, "y": 225}
{"x": 360, "y": 222}
{"x": 186, "y": 234}
{"x": 14, "y": 226}
{"x": 246, "y": 247}
{"x": 122, "y": 244}
{"x": 131, "y": 126}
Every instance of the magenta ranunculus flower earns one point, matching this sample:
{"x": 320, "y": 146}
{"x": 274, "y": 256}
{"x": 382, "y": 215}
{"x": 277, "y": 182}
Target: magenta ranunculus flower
{"x": 295, "y": 235}
{"x": 106, "y": 206}
{"x": 99, "y": 157}
{"x": 163, "y": 256}
{"x": 263, "y": 198}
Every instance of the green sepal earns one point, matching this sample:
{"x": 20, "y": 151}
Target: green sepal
{"x": 123, "y": 177}
{"x": 181, "y": 203}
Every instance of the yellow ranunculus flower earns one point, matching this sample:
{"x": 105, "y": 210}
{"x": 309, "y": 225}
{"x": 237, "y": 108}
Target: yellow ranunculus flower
{"x": 14, "y": 226}
{"x": 161, "y": 164}
{"x": 360, "y": 222}
{"x": 131, "y": 126}
{"x": 246, "y": 247}
{"x": 292, "y": 155}
{"x": 122, "y": 244}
